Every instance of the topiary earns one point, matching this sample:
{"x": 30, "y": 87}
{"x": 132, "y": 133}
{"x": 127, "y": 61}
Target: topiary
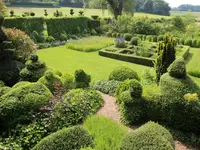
{"x": 150, "y": 136}
{"x": 68, "y": 80}
{"x": 177, "y": 69}
{"x": 127, "y": 36}
{"x": 22, "y": 83}
{"x": 82, "y": 80}
{"x": 34, "y": 70}
{"x": 51, "y": 80}
{"x": 77, "y": 105}
{"x": 75, "y": 137}
{"x": 188, "y": 42}
{"x": 16, "y": 105}
{"x": 135, "y": 41}
{"x": 63, "y": 37}
{"x": 123, "y": 73}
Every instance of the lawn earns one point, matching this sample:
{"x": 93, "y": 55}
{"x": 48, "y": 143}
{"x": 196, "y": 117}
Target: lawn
{"x": 90, "y": 44}
{"x": 67, "y": 60}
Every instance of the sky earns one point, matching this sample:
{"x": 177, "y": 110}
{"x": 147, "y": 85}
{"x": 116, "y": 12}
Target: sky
{"x": 175, "y": 3}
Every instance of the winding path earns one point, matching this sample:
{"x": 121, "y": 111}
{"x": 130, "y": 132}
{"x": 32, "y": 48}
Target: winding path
{"x": 110, "y": 110}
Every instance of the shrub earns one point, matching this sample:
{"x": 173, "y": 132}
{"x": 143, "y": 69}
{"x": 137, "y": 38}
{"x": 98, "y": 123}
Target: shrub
{"x": 120, "y": 43}
{"x": 149, "y": 38}
{"x": 109, "y": 139}
{"x": 50, "y": 39}
{"x": 149, "y": 136}
{"x": 21, "y": 42}
{"x": 16, "y": 105}
{"x": 188, "y": 42}
{"x": 77, "y": 105}
{"x": 2, "y": 84}
{"x": 19, "y": 84}
{"x": 194, "y": 43}
{"x": 127, "y": 36}
{"x": 63, "y": 37}
{"x": 154, "y": 38}
{"x": 68, "y": 80}
{"x": 160, "y": 38}
{"x": 107, "y": 86}
{"x": 123, "y": 73}
{"x": 177, "y": 69}
{"x": 135, "y": 41}
{"x": 39, "y": 38}
{"x": 114, "y": 34}
{"x": 68, "y": 138}
{"x": 182, "y": 41}
{"x": 93, "y": 32}
{"x": 34, "y": 69}
{"x": 82, "y": 80}
{"x": 51, "y": 81}
{"x": 4, "y": 90}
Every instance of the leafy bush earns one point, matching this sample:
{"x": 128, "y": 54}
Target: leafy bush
{"x": 4, "y": 90}
{"x": 160, "y": 38}
{"x": 82, "y": 80}
{"x": 51, "y": 81}
{"x": 34, "y": 70}
{"x": 109, "y": 139}
{"x": 149, "y": 136}
{"x": 120, "y": 43}
{"x": 68, "y": 138}
{"x": 188, "y": 42}
{"x": 50, "y": 39}
{"x": 39, "y": 38}
{"x": 19, "y": 84}
{"x": 77, "y": 105}
{"x": 63, "y": 37}
{"x": 21, "y": 42}
{"x": 107, "y": 86}
{"x": 18, "y": 102}
{"x": 123, "y": 73}
{"x": 135, "y": 41}
{"x": 177, "y": 69}
{"x": 127, "y": 36}
{"x": 68, "y": 80}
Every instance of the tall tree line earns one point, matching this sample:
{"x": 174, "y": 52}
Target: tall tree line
{"x": 188, "y": 7}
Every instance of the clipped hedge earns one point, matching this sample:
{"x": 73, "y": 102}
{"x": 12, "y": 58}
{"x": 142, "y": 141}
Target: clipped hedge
{"x": 73, "y": 138}
{"x": 123, "y": 73}
{"x": 150, "y": 136}
{"x": 26, "y": 24}
{"x": 77, "y": 105}
{"x": 56, "y": 26}
{"x": 107, "y": 86}
{"x": 128, "y": 58}
{"x": 18, "y": 102}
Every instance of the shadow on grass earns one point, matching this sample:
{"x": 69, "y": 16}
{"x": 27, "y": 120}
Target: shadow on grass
{"x": 189, "y": 57}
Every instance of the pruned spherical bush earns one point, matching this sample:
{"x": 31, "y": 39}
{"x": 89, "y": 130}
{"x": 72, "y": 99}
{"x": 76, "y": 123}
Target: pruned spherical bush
{"x": 107, "y": 86}
{"x": 123, "y": 73}
{"x": 133, "y": 86}
{"x": 188, "y": 42}
{"x": 71, "y": 138}
{"x": 68, "y": 80}
{"x": 51, "y": 81}
{"x": 82, "y": 80}
{"x": 77, "y": 105}
{"x": 177, "y": 69}
{"x": 150, "y": 136}
{"x": 127, "y": 36}
{"x": 18, "y": 102}
{"x": 34, "y": 70}
{"x": 135, "y": 41}
{"x": 63, "y": 37}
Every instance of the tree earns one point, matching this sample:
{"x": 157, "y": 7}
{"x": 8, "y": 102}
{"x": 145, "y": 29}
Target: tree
{"x": 129, "y": 6}
{"x": 166, "y": 56}
{"x": 160, "y": 7}
{"x": 116, "y": 7}
{"x": 3, "y": 9}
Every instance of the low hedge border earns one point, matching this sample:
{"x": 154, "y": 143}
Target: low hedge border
{"x": 128, "y": 58}
{"x": 136, "y": 59}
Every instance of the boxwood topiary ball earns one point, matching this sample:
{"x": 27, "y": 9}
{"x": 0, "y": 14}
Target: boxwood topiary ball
{"x": 177, "y": 69}
{"x": 150, "y": 136}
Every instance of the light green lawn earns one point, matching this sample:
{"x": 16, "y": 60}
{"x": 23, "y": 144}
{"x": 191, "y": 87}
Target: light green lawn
{"x": 67, "y": 60}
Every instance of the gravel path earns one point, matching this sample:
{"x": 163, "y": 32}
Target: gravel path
{"x": 110, "y": 110}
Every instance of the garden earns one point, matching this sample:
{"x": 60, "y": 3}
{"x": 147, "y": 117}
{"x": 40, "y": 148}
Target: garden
{"x": 83, "y": 82}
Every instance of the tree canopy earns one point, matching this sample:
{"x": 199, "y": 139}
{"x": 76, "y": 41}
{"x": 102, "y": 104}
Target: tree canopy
{"x": 3, "y": 9}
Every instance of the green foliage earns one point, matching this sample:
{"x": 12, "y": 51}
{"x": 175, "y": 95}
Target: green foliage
{"x": 127, "y": 36}
{"x": 160, "y": 38}
{"x": 2, "y": 84}
{"x": 177, "y": 69}
{"x": 38, "y": 37}
{"x": 50, "y": 39}
{"x": 150, "y": 136}
{"x": 63, "y": 37}
{"x": 166, "y": 55}
{"x": 65, "y": 25}
{"x": 178, "y": 23}
{"x": 18, "y": 102}
{"x": 34, "y": 70}
{"x": 4, "y": 90}
{"x": 68, "y": 138}
{"x": 120, "y": 43}
{"x": 123, "y": 73}
{"x": 107, "y": 86}
{"x": 188, "y": 42}
{"x": 68, "y": 80}
{"x": 90, "y": 44}
{"x": 51, "y": 80}
{"x": 77, "y": 105}
{"x": 22, "y": 83}
{"x": 109, "y": 139}
{"x": 82, "y": 80}
{"x": 25, "y": 24}
{"x": 3, "y": 8}
{"x": 135, "y": 41}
